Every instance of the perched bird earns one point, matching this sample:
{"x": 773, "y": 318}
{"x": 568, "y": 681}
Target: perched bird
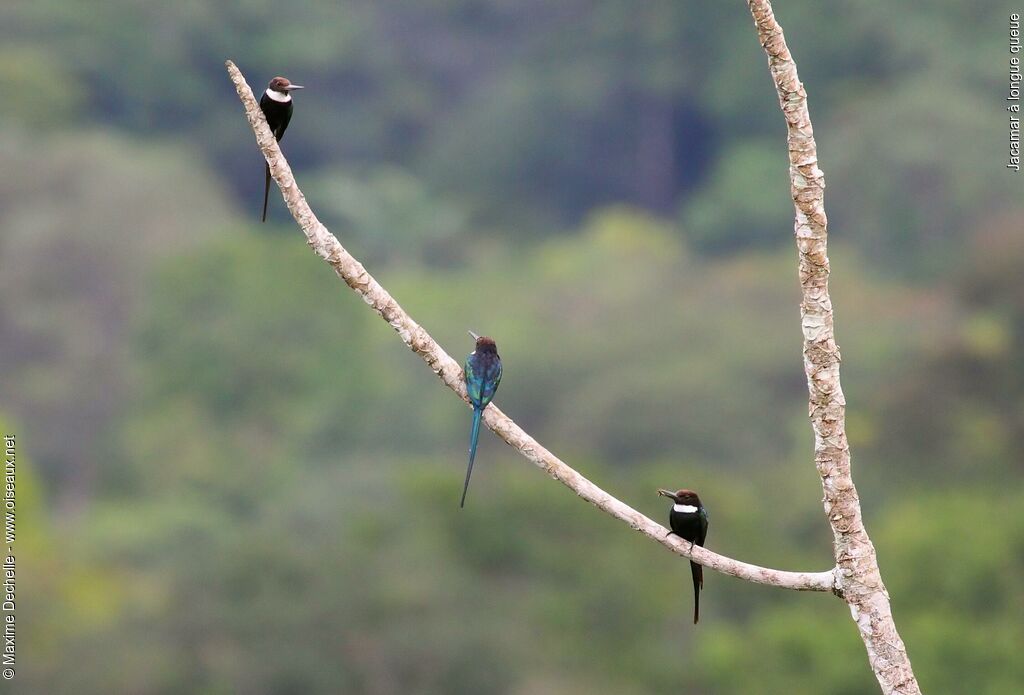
{"x": 483, "y": 374}
{"x": 276, "y": 104}
{"x": 689, "y": 519}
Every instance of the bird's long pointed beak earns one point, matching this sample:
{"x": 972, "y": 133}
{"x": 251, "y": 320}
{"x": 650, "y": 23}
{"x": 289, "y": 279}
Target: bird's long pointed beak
{"x": 295, "y": 86}
{"x": 473, "y": 335}
{"x": 667, "y": 493}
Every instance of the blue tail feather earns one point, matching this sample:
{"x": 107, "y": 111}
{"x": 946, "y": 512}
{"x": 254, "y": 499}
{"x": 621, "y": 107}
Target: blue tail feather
{"x": 474, "y": 435}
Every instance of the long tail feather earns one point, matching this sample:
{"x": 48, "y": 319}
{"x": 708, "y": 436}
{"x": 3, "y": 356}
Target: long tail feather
{"x": 266, "y": 194}
{"x": 474, "y": 435}
{"x": 698, "y": 581}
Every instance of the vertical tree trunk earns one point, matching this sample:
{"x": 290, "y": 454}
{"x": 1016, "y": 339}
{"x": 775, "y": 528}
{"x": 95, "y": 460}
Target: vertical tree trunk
{"x": 858, "y": 579}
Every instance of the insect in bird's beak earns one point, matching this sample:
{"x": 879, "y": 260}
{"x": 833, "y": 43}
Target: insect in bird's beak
{"x": 666, "y": 493}
{"x": 473, "y": 335}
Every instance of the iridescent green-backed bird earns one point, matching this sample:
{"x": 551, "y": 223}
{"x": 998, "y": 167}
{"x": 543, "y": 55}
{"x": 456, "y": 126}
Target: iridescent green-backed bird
{"x": 689, "y": 519}
{"x": 483, "y": 374}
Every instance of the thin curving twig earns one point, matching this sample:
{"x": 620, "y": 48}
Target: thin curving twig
{"x": 327, "y": 246}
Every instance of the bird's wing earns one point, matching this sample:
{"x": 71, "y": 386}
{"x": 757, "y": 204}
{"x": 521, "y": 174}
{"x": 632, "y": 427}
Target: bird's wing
{"x": 474, "y": 382}
{"x": 702, "y": 532}
{"x": 491, "y": 379}
{"x": 279, "y": 133}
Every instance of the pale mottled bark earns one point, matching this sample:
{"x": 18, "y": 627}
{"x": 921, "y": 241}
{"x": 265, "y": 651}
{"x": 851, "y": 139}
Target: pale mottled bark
{"x": 419, "y": 341}
{"x": 858, "y": 579}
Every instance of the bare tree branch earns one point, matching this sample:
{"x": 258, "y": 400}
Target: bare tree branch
{"x": 859, "y": 580}
{"x": 419, "y": 341}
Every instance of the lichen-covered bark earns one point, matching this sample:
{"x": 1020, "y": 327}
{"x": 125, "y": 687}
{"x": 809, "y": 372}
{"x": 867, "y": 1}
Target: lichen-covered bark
{"x": 419, "y": 341}
{"x": 858, "y": 579}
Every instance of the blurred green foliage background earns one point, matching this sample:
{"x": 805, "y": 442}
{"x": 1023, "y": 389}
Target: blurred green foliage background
{"x": 234, "y": 479}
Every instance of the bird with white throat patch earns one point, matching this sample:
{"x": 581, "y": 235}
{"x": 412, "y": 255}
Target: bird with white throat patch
{"x": 689, "y": 519}
{"x": 276, "y": 105}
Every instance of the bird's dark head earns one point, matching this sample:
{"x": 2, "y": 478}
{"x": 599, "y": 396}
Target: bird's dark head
{"x": 282, "y": 85}
{"x": 687, "y": 498}
{"x": 484, "y": 344}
